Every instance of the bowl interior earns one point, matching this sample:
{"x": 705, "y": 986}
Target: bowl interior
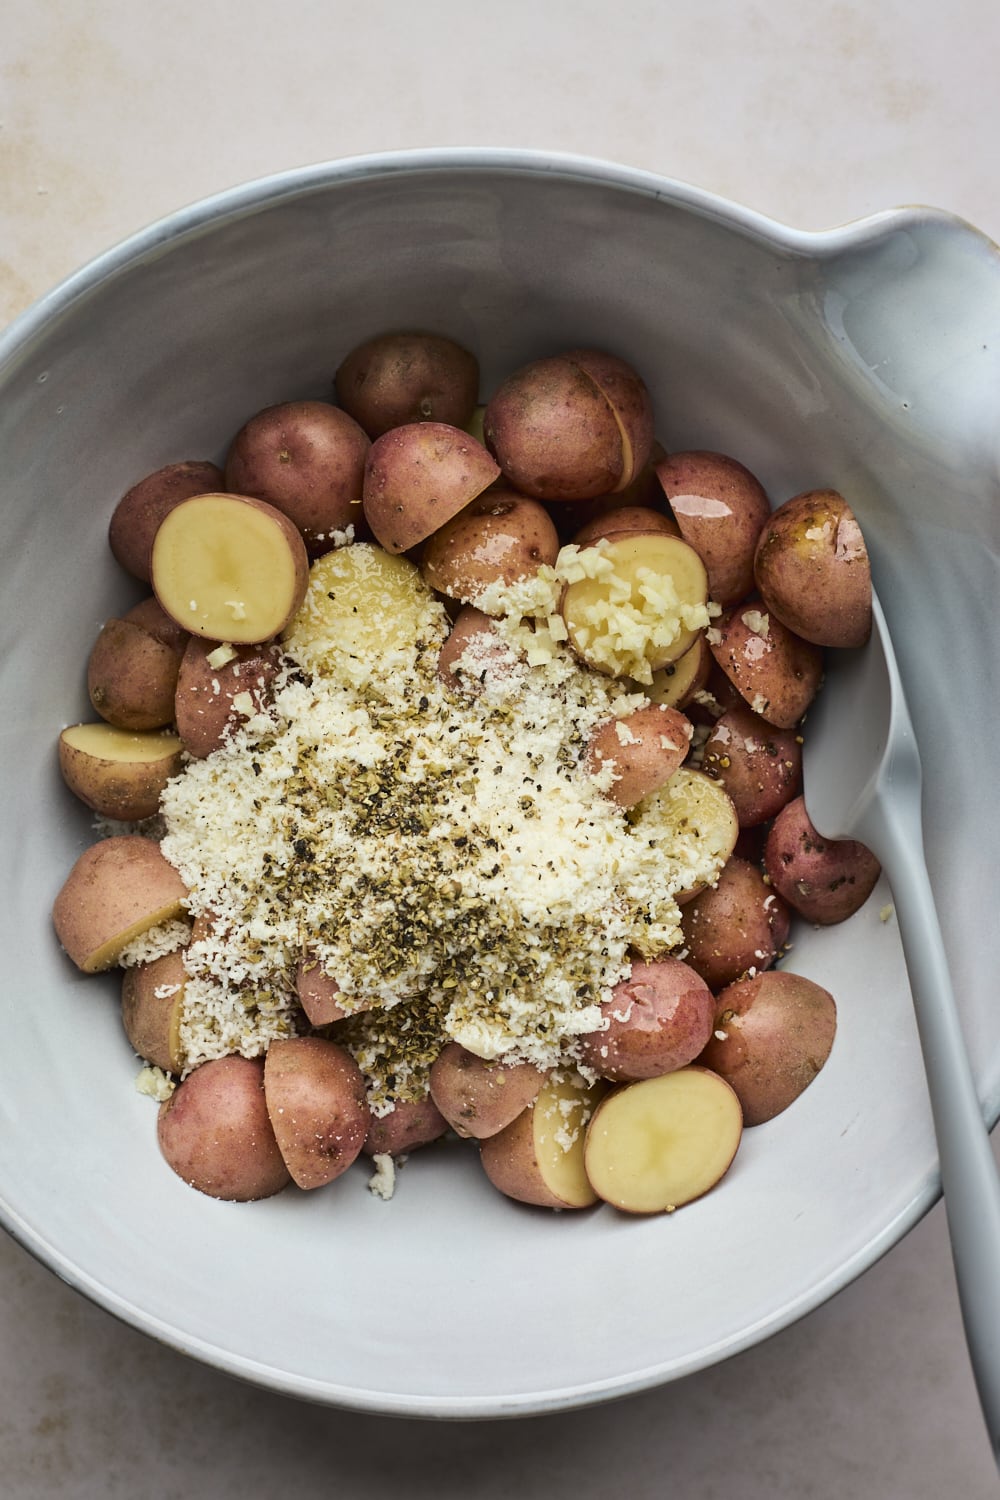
{"x": 864, "y": 360}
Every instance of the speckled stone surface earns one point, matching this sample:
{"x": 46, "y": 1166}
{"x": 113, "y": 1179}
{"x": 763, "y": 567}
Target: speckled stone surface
{"x": 112, "y": 114}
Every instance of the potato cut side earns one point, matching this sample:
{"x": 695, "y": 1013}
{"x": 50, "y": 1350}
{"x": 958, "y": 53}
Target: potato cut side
{"x": 538, "y": 1158}
{"x": 640, "y": 606}
{"x": 655, "y": 1145}
{"x": 364, "y": 614}
{"x": 675, "y": 684}
{"x": 117, "y": 773}
{"x": 229, "y": 568}
{"x": 152, "y": 1010}
{"x": 693, "y": 822}
{"x": 117, "y": 890}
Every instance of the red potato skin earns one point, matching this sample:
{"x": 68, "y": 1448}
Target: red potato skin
{"x": 100, "y": 897}
{"x": 778, "y": 675}
{"x": 500, "y": 536}
{"x": 417, "y": 477}
{"x": 203, "y": 702}
{"x": 399, "y": 378}
{"x": 662, "y": 739}
{"x": 720, "y": 508}
{"x": 777, "y": 1032}
{"x": 812, "y": 569}
{"x": 554, "y": 434}
{"x": 412, "y": 1124}
{"x": 307, "y": 459}
{"x": 132, "y": 677}
{"x": 509, "y": 1161}
{"x": 479, "y": 1098}
{"x": 626, "y": 394}
{"x": 734, "y": 926}
{"x": 470, "y": 623}
{"x": 659, "y": 1019}
{"x": 824, "y": 880}
{"x": 315, "y": 1096}
{"x": 318, "y": 994}
{"x": 644, "y": 493}
{"x": 759, "y": 765}
{"x": 138, "y": 514}
{"x": 146, "y": 1016}
{"x": 214, "y": 1132}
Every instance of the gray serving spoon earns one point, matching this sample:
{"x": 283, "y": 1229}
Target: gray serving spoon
{"x": 862, "y": 781}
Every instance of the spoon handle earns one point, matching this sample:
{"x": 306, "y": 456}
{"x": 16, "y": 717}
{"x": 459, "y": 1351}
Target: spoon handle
{"x": 968, "y": 1171}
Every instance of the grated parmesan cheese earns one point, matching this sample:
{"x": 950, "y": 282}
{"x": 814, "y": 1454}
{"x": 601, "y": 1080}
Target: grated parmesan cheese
{"x": 382, "y": 1182}
{"x": 154, "y": 943}
{"x": 154, "y": 1083}
{"x": 444, "y": 855}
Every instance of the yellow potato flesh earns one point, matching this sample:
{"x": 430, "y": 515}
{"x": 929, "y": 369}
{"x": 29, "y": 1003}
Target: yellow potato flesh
{"x": 671, "y": 684}
{"x": 644, "y": 611}
{"x": 559, "y": 1118}
{"x": 106, "y": 956}
{"x": 363, "y": 609}
{"x": 228, "y": 569}
{"x": 104, "y": 742}
{"x": 655, "y": 1145}
{"x": 694, "y": 822}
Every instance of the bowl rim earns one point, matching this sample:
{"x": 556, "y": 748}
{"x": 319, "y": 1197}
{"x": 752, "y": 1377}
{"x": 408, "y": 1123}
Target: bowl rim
{"x": 248, "y": 198}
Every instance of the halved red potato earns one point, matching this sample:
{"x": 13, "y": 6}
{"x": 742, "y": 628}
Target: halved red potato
{"x": 418, "y": 477}
{"x": 693, "y": 825}
{"x": 306, "y": 458}
{"x": 412, "y": 1123}
{"x": 640, "y": 604}
{"x": 659, "y": 1019}
{"x": 398, "y": 378}
{"x": 138, "y": 514}
{"x": 644, "y": 747}
{"x": 117, "y": 890}
{"x": 538, "y": 1158}
{"x": 119, "y": 774}
{"x": 626, "y": 394}
{"x": 319, "y": 994}
{"x": 214, "y": 1132}
{"x": 772, "y": 669}
{"x": 678, "y": 683}
{"x": 738, "y": 925}
{"x": 824, "y": 880}
{"x": 772, "y": 1035}
{"x": 570, "y": 427}
{"x": 132, "y": 677}
{"x": 315, "y": 1097}
{"x": 152, "y": 1009}
{"x": 220, "y": 686}
{"x": 655, "y": 1145}
{"x": 812, "y": 570}
{"x": 479, "y": 1098}
{"x": 489, "y": 651}
{"x": 720, "y": 508}
{"x": 759, "y": 765}
{"x": 230, "y": 568}
{"x": 500, "y": 537}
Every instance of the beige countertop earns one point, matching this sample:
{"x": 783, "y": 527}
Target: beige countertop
{"x": 114, "y": 113}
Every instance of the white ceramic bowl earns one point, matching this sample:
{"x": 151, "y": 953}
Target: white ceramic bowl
{"x": 867, "y": 358}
